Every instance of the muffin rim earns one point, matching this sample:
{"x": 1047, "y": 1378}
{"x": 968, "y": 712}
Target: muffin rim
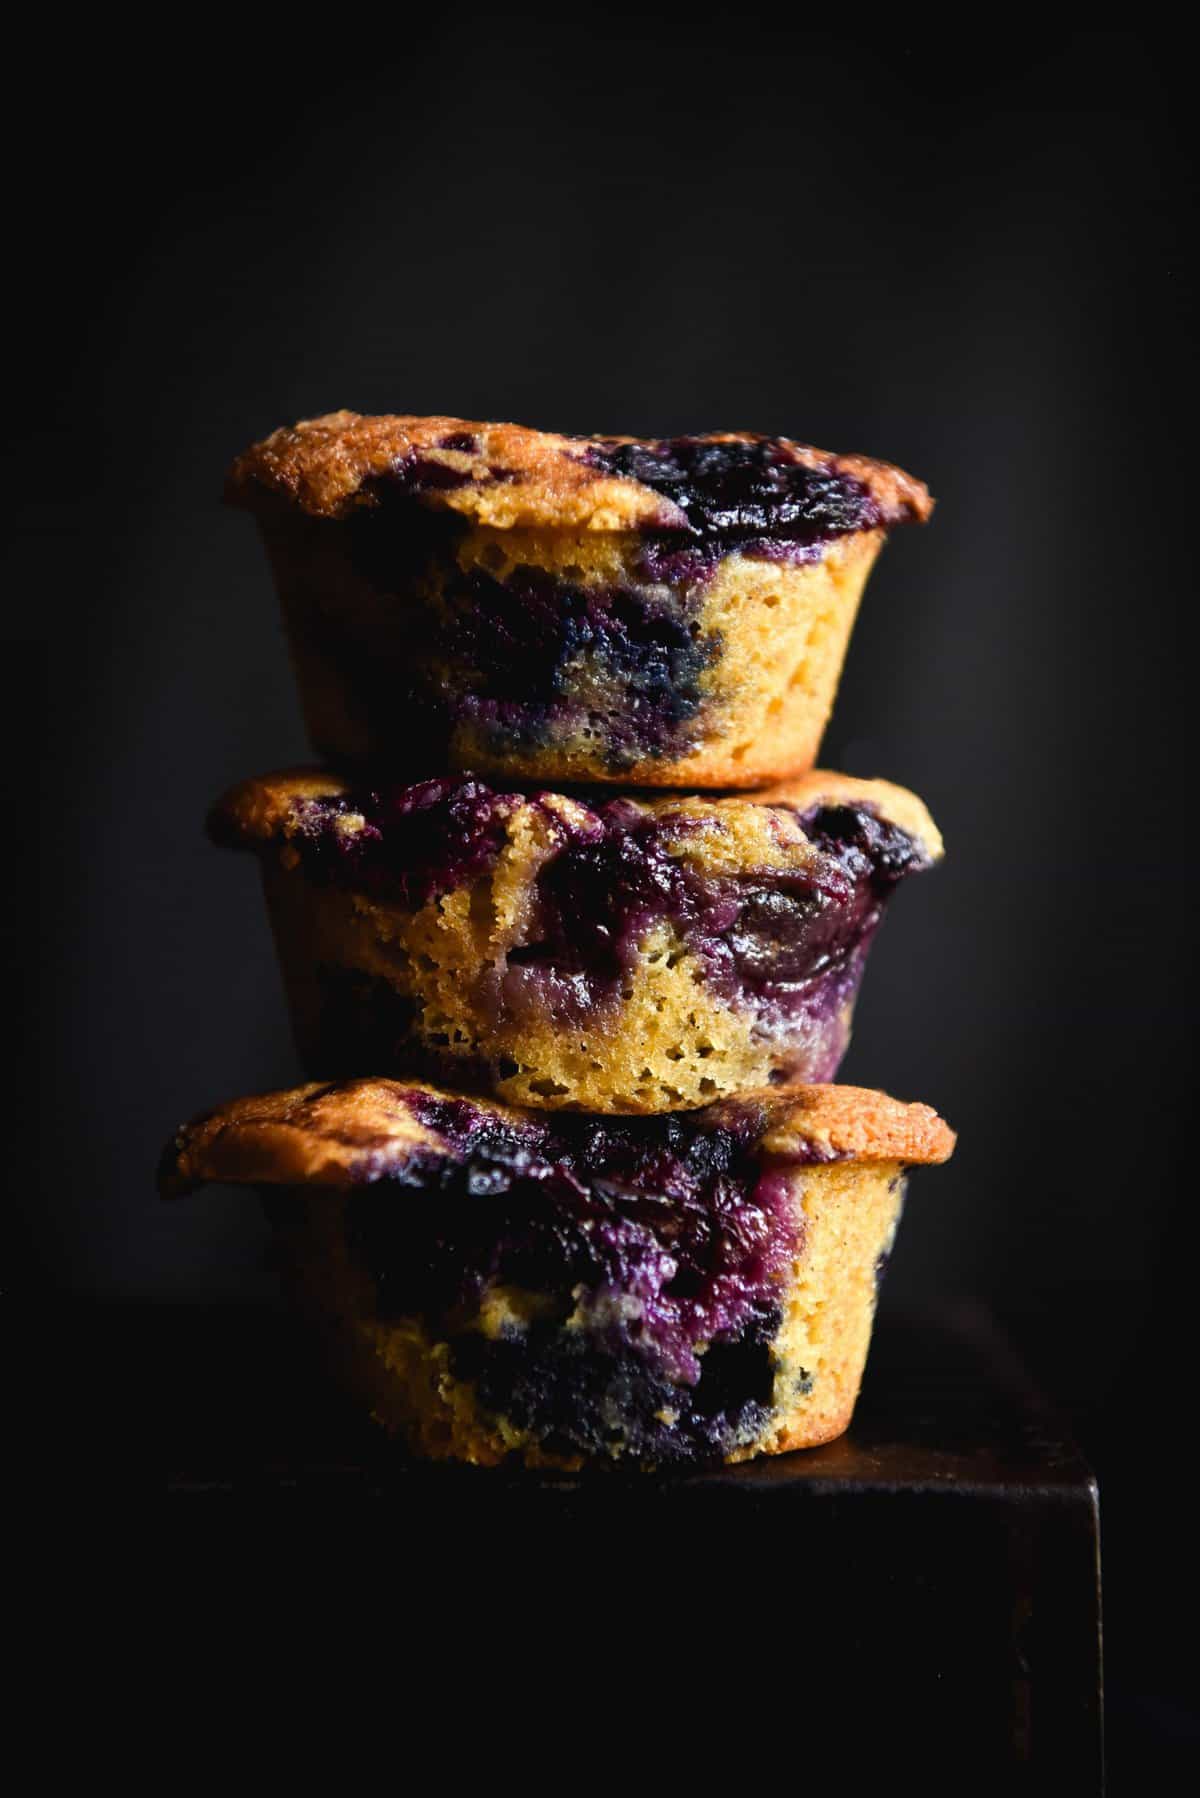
{"x": 259, "y": 811}
{"x": 512, "y": 476}
{"x": 343, "y": 1134}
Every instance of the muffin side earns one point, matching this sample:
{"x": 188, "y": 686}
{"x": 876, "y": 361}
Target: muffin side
{"x": 536, "y": 656}
{"x": 527, "y": 1376}
{"x": 633, "y": 956}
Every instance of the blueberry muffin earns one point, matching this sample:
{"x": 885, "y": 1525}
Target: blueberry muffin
{"x": 615, "y": 955}
{"x": 651, "y": 613}
{"x": 564, "y": 1290}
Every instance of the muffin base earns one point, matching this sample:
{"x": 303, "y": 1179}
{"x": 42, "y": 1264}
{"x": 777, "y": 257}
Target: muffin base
{"x": 846, "y": 1217}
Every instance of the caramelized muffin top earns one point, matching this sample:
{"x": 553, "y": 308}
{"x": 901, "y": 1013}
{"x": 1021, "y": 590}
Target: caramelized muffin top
{"x": 356, "y": 1132}
{"x": 731, "y": 484}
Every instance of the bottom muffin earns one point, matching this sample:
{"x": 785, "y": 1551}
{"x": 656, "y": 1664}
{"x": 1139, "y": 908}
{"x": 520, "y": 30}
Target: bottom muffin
{"x": 567, "y": 1290}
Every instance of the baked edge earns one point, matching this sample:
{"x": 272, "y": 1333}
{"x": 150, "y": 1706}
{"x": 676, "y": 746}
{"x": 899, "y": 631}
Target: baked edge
{"x": 349, "y": 1133}
{"x": 259, "y": 810}
{"x": 324, "y": 467}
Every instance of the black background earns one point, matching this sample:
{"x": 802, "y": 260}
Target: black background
{"x": 971, "y": 259}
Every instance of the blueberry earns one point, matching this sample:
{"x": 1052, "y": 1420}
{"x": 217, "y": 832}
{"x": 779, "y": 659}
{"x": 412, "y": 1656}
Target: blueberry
{"x": 789, "y": 943}
{"x": 744, "y": 489}
{"x": 668, "y": 1214}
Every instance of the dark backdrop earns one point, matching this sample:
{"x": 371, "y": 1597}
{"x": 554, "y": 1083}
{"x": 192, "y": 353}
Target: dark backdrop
{"x": 968, "y": 260}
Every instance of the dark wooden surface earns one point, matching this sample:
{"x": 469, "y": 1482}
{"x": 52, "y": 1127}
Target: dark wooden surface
{"x": 924, "y": 1589}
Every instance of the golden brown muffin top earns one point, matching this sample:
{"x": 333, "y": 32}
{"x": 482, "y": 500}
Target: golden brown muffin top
{"x": 507, "y": 476}
{"x": 354, "y": 1132}
{"x": 750, "y": 828}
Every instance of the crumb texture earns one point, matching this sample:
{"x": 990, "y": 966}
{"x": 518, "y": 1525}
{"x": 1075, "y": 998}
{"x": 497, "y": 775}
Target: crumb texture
{"x": 571, "y": 1291}
{"x": 620, "y": 956}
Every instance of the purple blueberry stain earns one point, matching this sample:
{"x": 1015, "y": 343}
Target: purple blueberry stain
{"x": 408, "y": 844}
{"x": 534, "y": 657}
{"x": 531, "y": 643}
{"x": 656, "y": 1247}
{"x": 414, "y": 474}
{"x": 789, "y": 944}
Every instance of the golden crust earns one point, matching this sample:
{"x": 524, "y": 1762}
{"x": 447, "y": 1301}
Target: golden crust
{"x": 313, "y": 1135}
{"x": 819, "y": 786}
{"x": 509, "y": 477}
{"x": 262, "y": 809}
{"x": 853, "y": 1123}
{"x": 351, "y": 1132}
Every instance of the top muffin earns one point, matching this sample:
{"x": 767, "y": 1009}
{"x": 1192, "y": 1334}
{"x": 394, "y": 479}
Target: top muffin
{"x": 665, "y": 612}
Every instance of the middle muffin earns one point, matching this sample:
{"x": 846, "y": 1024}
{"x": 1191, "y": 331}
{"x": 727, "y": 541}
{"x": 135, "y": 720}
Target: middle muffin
{"x": 613, "y": 955}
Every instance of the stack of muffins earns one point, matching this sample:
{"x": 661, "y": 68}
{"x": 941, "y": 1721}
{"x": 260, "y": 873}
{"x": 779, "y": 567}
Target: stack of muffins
{"x": 572, "y": 932}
